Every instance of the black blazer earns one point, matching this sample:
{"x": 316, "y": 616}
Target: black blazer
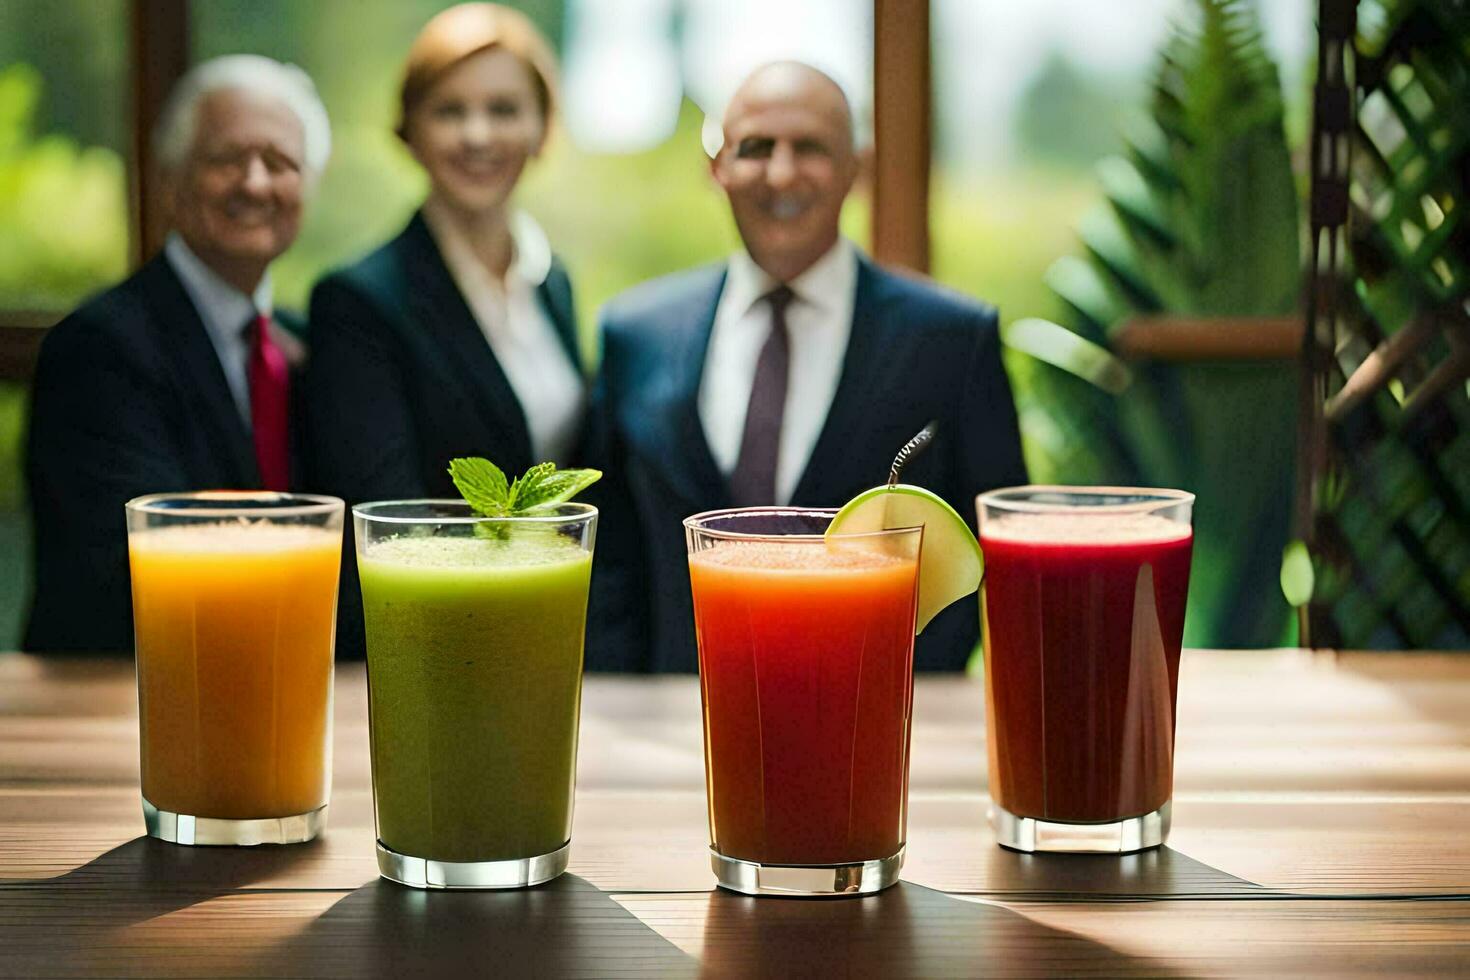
{"x": 401, "y": 380}
{"x": 129, "y": 398}
{"x": 916, "y": 353}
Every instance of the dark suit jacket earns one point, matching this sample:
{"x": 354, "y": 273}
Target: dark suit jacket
{"x": 401, "y": 380}
{"x": 916, "y": 353}
{"x": 129, "y": 398}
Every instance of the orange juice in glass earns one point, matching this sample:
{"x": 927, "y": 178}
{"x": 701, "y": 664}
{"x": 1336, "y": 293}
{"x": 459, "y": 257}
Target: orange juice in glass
{"x": 234, "y": 618}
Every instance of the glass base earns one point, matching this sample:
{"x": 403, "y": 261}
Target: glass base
{"x": 183, "y": 828}
{"x": 1044, "y": 836}
{"x": 812, "y": 880}
{"x": 513, "y": 873}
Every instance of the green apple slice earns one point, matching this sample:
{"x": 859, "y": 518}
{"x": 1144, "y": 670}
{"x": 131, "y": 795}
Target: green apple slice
{"x": 950, "y": 563}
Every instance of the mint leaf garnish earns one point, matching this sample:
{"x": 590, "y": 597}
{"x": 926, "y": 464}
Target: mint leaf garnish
{"x": 553, "y": 487}
{"x": 528, "y": 479}
{"x": 482, "y": 484}
{"x": 484, "y": 487}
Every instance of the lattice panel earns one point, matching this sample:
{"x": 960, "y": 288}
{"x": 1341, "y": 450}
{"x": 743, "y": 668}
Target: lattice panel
{"x": 1387, "y": 409}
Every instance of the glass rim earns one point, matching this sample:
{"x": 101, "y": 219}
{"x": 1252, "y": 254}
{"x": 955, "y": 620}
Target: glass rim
{"x": 579, "y": 512}
{"x": 692, "y": 523}
{"x": 289, "y": 504}
{"x": 1151, "y": 499}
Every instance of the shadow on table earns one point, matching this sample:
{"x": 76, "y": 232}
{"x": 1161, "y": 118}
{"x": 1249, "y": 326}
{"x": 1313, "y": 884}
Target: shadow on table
{"x": 566, "y": 927}
{"x": 907, "y": 931}
{"x": 1159, "y": 872}
{"x": 56, "y": 925}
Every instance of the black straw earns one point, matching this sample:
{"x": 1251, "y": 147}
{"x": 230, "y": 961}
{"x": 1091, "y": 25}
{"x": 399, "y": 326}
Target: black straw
{"x": 911, "y": 449}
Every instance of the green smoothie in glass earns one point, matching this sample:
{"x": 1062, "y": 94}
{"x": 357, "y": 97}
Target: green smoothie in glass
{"x": 474, "y": 643}
{"x": 475, "y": 657}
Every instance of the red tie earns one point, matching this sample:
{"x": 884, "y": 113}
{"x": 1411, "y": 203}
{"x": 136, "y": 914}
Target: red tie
{"x": 270, "y": 382}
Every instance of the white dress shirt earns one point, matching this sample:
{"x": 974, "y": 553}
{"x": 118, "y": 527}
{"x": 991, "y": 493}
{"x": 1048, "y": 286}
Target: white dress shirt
{"x": 818, "y": 321}
{"x": 226, "y": 312}
{"x": 545, "y": 380}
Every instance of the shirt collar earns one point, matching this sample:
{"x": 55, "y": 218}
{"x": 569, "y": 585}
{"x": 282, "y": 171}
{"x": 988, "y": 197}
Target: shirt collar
{"x": 824, "y": 283}
{"x": 222, "y": 307}
{"x": 530, "y": 263}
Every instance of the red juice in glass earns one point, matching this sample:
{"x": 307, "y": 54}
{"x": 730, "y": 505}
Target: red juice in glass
{"x": 806, "y": 673}
{"x": 1083, "y": 601}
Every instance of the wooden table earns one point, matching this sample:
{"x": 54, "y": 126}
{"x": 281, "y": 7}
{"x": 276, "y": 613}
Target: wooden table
{"x": 1321, "y": 827}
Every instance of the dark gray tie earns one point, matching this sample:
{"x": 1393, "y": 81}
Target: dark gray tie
{"x": 753, "y": 483}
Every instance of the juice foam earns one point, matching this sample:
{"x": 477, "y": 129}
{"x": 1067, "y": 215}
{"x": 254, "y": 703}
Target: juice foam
{"x": 800, "y": 557}
{"x": 1084, "y": 529}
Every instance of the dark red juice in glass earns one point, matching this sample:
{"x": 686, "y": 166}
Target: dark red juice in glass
{"x": 1084, "y": 609}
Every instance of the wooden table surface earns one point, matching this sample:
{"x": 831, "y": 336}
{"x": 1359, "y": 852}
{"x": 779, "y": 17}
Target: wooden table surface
{"x": 1321, "y": 827}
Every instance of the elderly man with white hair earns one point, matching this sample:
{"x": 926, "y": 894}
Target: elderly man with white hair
{"x": 178, "y": 378}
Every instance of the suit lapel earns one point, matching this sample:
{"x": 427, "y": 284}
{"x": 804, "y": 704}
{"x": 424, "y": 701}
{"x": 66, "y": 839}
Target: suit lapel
{"x": 658, "y": 411}
{"x": 442, "y": 310}
{"x": 556, "y": 300}
{"x": 693, "y": 446}
{"x": 855, "y": 397}
{"x": 199, "y": 371}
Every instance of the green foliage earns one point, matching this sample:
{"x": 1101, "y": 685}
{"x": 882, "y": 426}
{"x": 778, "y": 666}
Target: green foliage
{"x": 80, "y": 47}
{"x": 1201, "y": 219}
{"x": 1390, "y": 535}
{"x": 994, "y": 233}
{"x": 63, "y": 208}
{"x": 1201, "y": 216}
{"x": 63, "y": 235}
{"x": 1068, "y": 118}
{"x": 1073, "y": 353}
{"x": 12, "y": 443}
{"x": 14, "y": 527}
{"x": 1226, "y": 185}
{"x": 1296, "y": 573}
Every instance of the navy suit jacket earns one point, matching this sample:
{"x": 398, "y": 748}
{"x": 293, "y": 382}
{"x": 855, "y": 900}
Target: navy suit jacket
{"x": 916, "y": 353}
{"x": 401, "y": 380}
{"x": 129, "y": 398}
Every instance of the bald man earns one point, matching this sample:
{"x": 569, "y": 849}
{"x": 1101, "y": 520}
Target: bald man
{"x": 789, "y": 374}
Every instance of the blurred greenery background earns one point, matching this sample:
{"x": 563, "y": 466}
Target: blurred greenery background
{"x": 1028, "y": 99}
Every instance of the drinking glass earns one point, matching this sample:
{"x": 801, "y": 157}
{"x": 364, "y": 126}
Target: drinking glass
{"x": 1083, "y": 611}
{"x": 474, "y": 644}
{"x": 806, "y": 650}
{"x": 234, "y": 616}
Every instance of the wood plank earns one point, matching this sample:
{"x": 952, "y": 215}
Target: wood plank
{"x": 159, "y": 51}
{"x": 564, "y": 928}
{"x": 902, "y": 111}
{"x": 656, "y": 841}
{"x": 1297, "y": 772}
{"x": 574, "y": 929}
{"x": 912, "y": 931}
{"x": 1299, "y": 775}
{"x": 1337, "y": 847}
{"x": 1249, "y": 721}
{"x": 1220, "y": 338}
{"x": 1292, "y": 938}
